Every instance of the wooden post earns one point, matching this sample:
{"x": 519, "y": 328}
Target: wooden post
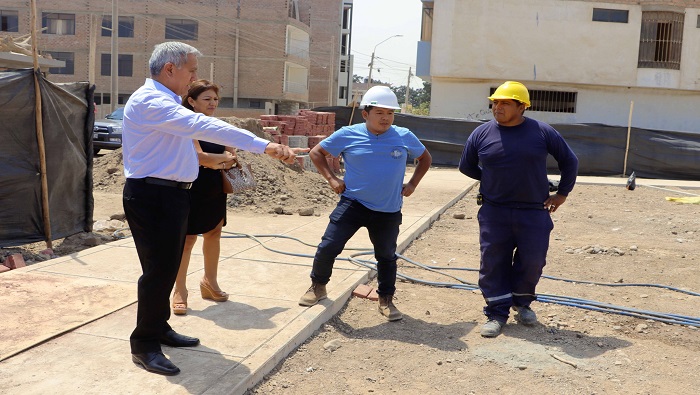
{"x": 354, "y": 106}
{"x": 235, "y": 56}
{"x": 331, "y": 78}
{"x": 40, "y": 133}
{"x": 408, "y": 91}
{"x": 627, "y": 148}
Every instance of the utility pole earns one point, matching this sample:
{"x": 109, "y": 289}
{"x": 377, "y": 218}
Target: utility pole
{"x": 93, "y": 46}
{"x": 408, "y": 90}
{"x": 235, "y": 56}
{"x": 114, "y": 93}
{"x": 371, "y": 62}
{"x": 330, "y": 74}
{"x": 371, "y": 66}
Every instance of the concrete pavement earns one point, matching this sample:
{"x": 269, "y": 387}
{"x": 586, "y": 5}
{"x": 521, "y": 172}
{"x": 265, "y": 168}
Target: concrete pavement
{"x": 66, "y": 322}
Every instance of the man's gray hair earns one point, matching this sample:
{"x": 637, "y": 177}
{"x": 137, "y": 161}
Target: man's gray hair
{"x": 170, "y": 52}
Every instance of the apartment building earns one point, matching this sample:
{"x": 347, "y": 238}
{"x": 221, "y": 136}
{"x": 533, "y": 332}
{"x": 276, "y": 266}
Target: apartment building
{"x": 583, "y": 61}
{"x": 268, "y": 56}
{"x": 331, "y": 63}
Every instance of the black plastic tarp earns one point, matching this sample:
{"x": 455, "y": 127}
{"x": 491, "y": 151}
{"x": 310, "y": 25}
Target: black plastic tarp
{"x": 600, "y": 148}
{"x": 68, "y": 116}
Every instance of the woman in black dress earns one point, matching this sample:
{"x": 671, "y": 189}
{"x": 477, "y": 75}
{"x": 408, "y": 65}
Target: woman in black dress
{"x": 208, "y": 203}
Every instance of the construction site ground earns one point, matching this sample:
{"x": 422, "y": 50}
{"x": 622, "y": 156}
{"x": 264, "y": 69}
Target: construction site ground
{"x": 70, "y": 316}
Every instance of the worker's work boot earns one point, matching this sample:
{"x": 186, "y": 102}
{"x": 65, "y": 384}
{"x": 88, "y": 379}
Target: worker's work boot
{"x": 525, "y": 315}
{"x": 315, "y": 293}
{"x": 387, "y": 308}
{"x": 492, "y": 328}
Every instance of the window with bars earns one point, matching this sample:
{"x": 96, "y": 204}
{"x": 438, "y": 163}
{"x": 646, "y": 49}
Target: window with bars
{"x": 67, "y": 57}
{"x": 550, "y": 101}
{"x": 125, "y": 26}
{"x": 61, "y": 24}
{"x": 661, "y": 40}
{"x": 181, "y": 29}
{"x": 9, "y": 21}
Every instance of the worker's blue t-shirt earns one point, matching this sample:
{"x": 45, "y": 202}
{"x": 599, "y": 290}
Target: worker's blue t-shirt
{"x": 374, "y": 165}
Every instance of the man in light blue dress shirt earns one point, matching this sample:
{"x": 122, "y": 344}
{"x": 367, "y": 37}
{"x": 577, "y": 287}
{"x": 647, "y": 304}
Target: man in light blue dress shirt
{"x": 160, "y": 164}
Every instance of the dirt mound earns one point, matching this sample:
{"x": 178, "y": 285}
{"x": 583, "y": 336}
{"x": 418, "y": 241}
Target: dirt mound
{"x": 282, "y": 188}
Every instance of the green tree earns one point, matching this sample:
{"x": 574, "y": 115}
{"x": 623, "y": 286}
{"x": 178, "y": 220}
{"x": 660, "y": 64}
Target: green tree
{"x": 423, "y": 109}
{"x": 419, "y": 98}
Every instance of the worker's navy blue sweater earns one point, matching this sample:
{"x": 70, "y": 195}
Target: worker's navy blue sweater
{"x": 511, "y": 162}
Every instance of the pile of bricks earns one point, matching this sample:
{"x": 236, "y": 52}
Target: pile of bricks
{"x": 366, "y": 292}
{"x": 306, "y": 129}
{"x": 306, "y": 123}
{"x": 14, "y": 261}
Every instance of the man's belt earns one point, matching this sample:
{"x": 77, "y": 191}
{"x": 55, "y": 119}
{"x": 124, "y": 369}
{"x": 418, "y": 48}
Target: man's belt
{"x": 166, "y": 183}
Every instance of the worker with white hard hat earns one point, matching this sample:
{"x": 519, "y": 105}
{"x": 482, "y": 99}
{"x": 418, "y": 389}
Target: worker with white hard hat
{"x": 509, "y": 156}
{"x": 371, "y": 193}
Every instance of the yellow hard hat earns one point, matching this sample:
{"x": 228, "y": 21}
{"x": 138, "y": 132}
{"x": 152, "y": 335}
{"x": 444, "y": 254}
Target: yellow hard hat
{"x": 512, "y": 90}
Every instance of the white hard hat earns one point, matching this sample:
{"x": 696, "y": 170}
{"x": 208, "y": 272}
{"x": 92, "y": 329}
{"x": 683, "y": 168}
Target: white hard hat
{"x": 380, "y": 96}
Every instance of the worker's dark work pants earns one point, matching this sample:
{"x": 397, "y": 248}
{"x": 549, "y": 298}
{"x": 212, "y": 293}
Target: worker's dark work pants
{"x": 514, "y": 245}
{"x": 345, "y": 220}
{"x": 157, "y": 217}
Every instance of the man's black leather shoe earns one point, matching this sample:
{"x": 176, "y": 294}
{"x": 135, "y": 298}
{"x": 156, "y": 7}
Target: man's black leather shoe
{"x": 174, "y": 339}
{"x": 155, "y": 362}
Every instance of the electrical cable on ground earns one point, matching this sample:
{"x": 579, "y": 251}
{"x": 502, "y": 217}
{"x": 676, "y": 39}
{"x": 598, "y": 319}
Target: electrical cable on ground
{"x": 668, "y": 318}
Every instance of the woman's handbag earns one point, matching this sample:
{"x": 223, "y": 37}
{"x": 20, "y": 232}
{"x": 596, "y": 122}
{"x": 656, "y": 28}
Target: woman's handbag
{"x": 238, "y": 178}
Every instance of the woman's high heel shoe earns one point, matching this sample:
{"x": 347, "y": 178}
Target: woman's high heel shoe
{"x": 209, "y": 293}
{"x": 179, "y": 304}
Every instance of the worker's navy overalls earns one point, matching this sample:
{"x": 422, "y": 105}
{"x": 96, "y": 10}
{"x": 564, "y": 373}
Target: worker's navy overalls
{"x": 514, "y": 243}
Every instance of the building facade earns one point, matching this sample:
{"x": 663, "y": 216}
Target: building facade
{"x": 259, "y": 51}
{"x": 331, "y": 65}
{"x": 583, "y": 61}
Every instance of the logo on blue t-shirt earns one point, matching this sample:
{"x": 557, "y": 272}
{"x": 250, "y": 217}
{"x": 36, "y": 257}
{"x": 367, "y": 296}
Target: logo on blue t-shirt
{"x": 396, "y": 153}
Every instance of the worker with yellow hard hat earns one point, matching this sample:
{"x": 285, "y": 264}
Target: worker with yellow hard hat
{"x": 509, "y": 102}
{"x": 509, "y": 156}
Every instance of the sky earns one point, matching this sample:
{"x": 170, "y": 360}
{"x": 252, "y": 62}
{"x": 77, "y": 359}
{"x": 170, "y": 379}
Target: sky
{"x": 376, "y": 20}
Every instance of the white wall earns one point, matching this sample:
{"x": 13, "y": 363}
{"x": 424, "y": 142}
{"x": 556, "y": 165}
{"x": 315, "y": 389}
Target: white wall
{"x": 653, "y": 108}
{"x": 690, "y": 55}
{"x": 555, "y": 45}
{"x": 539, "y": 40}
